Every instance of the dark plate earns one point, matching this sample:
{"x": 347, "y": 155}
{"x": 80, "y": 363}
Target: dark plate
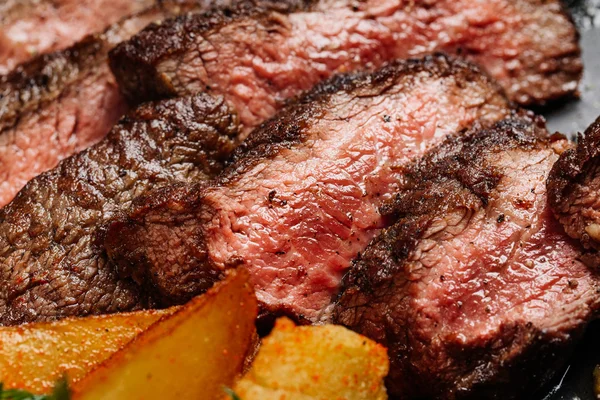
{"x": 576, "y": 382}
{"x": 576, "y": 116}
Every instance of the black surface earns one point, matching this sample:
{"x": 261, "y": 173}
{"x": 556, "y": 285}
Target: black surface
{"x": 576, "y": 116}
{"x": 576, "y": 382}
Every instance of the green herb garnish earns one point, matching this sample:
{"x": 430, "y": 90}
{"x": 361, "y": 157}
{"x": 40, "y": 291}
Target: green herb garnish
{"x": 231, "y": 393}
{"x": 60, "y": 392}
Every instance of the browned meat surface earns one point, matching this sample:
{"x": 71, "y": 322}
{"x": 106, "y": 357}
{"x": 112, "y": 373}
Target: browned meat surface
{"x": 64, "y": 102}
{"x": 302, "y": 195}
{"x": 574, "y": 192}
{"x": 475, "y": 290}
{"x": 31, "y": 27}
{"x": 52, "y": 263}
{"x": 257, "y": 57}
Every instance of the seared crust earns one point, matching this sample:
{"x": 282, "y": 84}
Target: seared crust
{"x": 176, "y": 223}
{"x": 387, "y": 295}
{"x": 573, "y": 189}
{"x": 51, "y": 263}
{"x": 134, "y": 61}
{"x": 290, "y": 125}
{"x": 29, "y": 28}
{"x": 61, "y": 103}
{"x": 43, "y": 79}
{"x": 531, "y": 70}
{"x": 135, "y": 252}
{"x": 542, "y": 81}
{"x": 457, "y": 169}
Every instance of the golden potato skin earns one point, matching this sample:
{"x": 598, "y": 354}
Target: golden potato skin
{"x": 315, "y": 362}
{"x": 34, "y": 356}
{"x": 191, "y": 354}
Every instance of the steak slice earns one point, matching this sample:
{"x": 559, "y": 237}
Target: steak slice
{"x": 574, "y": 189}
{"x": 302, "y": 195}
{"x": 257, "y": 57}
{"x": 475, "y": 289}
{"x": 62, "y": 103}
{"x": 30, "y": 27}
{"x": 52, "y": 263}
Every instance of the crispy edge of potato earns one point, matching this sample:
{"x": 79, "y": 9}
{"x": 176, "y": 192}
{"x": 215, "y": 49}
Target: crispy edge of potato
{"x": 190, "y": 354}
{"x": 34, "y": 356}
{"x": 315, "y": 362}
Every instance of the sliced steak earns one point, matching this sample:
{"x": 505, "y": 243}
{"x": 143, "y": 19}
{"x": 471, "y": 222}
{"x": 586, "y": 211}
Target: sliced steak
{"x": 475, "y": 289}
{"x": 30, "y": 27}
{"x": 62, "y": 103}
{"x": 302, "y": 195}
{"x": 257, "y": 57}
{"x": 51, "y": 260}
{"x": 574, "y": 192}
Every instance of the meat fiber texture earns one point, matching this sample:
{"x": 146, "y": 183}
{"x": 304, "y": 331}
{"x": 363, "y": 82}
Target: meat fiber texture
{"x": 61, "y": 103}
{"x": 475, "y": 289}
{"x": 52, "y": 263}
{"x": 257, "y": 57}
{"x": 574, "y": 188}
{"x": 301, "y": 197}
{"x": 32, "y": 27}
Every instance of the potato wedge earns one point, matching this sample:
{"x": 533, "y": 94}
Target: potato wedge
{"x": 315, "y": 362}
{"x": 34, "y": 356}
{"x": 191, "y": 354}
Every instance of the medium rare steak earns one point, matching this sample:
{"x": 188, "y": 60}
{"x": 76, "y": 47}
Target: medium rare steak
{"x": 302, "y": 195}
{"x": 574, "y": 188}
{"x": 62, "y": 103}
{"x": 257, "y": 57}
{"x": 475, "y": 290}
{"x": 51, "y": 260}
{"x": 30, "y": 27}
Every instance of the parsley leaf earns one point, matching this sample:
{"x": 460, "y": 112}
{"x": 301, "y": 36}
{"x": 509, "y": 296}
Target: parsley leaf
{"x": 231, "y": 393}
{"x": 60, "y": 392}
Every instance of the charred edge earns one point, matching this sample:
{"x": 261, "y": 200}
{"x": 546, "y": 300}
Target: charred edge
{"x": 155, "y": 133}
{"x": 571, "y": 67}
{"x": 43, "y": 79}
{"x": 571, "y": 164}
{"x": 566, "y": 178}
{"x": 530, "y": 360}
{"x": 174, "y": 205}
{"x": 454, "y": 174}
{"x": 289, "y": 127}
{"x": 134, "y": 62}
{"x": 166, "y": 214}
{"x": 459, "y": 159}
{"x": 157, "y": 127}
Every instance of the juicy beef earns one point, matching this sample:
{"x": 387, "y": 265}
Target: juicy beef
{"x": 301, "y": 197}
{"x": 30, "y": 27}
{"x": 257, "y": 57}
{"x": 574, "y": 189}
{"x": 51, "y": 259}
{"x": 62, "y": 103}
{"x": 474, "y": 289}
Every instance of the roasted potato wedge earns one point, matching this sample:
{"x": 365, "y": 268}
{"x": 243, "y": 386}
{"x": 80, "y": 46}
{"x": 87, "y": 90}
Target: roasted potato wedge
{"x": 315, "y": 362}
{"x": 34, "y": 356}
{"x": 191, "y": 354}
